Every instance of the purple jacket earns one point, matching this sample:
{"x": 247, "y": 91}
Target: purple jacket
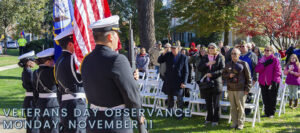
{"x": 292, "y": 79}
{"x": 269, "y": 73}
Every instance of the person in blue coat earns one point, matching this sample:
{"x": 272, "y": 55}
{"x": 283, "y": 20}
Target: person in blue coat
{"x": 294, "y": 49}
{"x": 176, "y": 75}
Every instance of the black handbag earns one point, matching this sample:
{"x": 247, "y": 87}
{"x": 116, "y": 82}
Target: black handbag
{"x": 206, "y": 85}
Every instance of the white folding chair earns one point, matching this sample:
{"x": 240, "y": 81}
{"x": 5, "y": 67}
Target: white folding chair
{"x": 255, "y": 90}
{"x": 196, "y": 101}
{"x": 282, "y": 96}
{"x": 141, "y": 81}
{"x": 150, "y": 90}
{"x": 152, "y": 71}
{"x": 162, "y": 97}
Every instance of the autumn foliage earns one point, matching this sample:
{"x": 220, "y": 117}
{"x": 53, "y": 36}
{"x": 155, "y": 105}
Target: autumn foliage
{"x": 277, "y": 19}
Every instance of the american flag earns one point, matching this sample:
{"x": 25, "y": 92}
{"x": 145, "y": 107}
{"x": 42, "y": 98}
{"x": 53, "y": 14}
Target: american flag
{"x": 87, "y": 12}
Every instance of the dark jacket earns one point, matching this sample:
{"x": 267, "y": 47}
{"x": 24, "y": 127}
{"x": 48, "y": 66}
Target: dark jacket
{"x": 28, "y": 86}
{"x": 66, "y": 75}
{"x": 108, "y": 79}
{"x": 142, "y": 62}
{"x": 68, "y": 80}
{"x": 47, "y": 79}
{"x": 176, "y": 72}
{"x": 216, "y": 71}
{"x": 291, "y": 50}
{"x": 242, "y": 79}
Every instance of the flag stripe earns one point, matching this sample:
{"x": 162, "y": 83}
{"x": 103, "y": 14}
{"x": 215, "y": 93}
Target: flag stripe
{"x": 99, "y": 4}
{"x": 86, "y": 12}
{"x": 106, "y": 9}
{"x": 82, "y": 22}
{"x": 95, "y": 9}
{"x": 79, "y": 40}
{"x": 88, "y": 22}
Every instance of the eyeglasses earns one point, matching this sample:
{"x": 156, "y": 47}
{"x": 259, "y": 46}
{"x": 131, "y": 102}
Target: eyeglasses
{"x": 267, "y": 50}
{"x": 243, "y": 46}
{"x": 234, "y": 53}
{"x": 211, "y": 47}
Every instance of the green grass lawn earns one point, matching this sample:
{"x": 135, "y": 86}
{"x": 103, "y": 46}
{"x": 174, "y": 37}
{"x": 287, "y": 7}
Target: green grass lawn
{"x": 10, "y": 58}
{"x": 12, "y": 94}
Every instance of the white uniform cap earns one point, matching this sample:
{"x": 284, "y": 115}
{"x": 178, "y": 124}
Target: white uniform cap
{"x": 27, "y": 55}
{"x": 107, "y": 24}
{"x": 46, "y": 53}
{"x": 64, "y": 33}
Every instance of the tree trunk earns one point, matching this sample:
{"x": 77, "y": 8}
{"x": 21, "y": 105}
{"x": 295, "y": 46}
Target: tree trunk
{"x": 5, "y": 42}
{"x": 146, "y": 23}
{"x": 226, "y": 36}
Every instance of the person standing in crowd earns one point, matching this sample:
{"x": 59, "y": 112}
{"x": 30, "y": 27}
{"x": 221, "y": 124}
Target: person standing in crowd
{"x": 269, "y": 70}
{"x": 192, "y": 62}
{"x": 226, "y": 49}
{"x": 253, "y": 46}
{"x": 198, "y": 74}
{"x": 176, "y": 76}
{"x": 186, "y": 92}
{"x": 238, "y": 77}
{"x": 212, "y": 66}
{"x": 292, "y": 70}
{"x": 193, "y": 50}
{"x": 108, "y": 79}
{"x": 199, "y": 56}
{"x": 179, "y": 45}
{"x": 163, "y": 67}
{"x": 221, "y": 46}
{"x": 22, "y": 44}
{"x": 184, "y": 52}
{"x": 70, "y": 83}
{"x": 155, "y": 52}
{"x": 258, "y": 52}
{"x": 228, "y": 53}
{"x": 248, "y": 56}
{"x": 294, "y": 49}
{"x": 45, "y": 89}
{"x": 27, "y": 63}
{"x": 142, "y": 61}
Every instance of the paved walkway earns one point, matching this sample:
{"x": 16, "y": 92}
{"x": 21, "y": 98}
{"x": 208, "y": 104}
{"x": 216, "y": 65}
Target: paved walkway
{"x": 8, "y": 67}
{"x": 14, "y": 130}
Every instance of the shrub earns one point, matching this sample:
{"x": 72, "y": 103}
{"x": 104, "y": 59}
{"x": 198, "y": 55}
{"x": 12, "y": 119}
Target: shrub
{"x": 37, "y": 45}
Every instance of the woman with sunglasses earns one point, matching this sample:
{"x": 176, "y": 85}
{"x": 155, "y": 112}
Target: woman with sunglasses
{"x": 211, "y": 67}
{"x": 269, "y": 70}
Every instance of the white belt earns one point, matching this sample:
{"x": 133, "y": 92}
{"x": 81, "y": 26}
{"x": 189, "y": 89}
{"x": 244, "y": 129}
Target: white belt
{"x": 121, "y": 106}
{"x": 29, "y": 94}
{"x": 47, "y": 95}
{"x": 71, "y": 97}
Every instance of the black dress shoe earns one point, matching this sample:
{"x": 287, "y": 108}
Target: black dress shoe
{"x": 264, "y": 116}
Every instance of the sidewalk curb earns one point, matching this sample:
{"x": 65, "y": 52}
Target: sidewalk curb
{"x": 8, "y": 67}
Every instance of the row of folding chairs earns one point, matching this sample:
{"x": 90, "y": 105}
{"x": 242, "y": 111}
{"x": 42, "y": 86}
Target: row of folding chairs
{"x": 152, "y": 96}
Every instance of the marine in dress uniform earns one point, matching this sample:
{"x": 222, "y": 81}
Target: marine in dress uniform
{"x": 45, "y": 90}
{"x": 27, "y": 62}
{"x": 70, "y": 83}
{"x": 107, "y": 77}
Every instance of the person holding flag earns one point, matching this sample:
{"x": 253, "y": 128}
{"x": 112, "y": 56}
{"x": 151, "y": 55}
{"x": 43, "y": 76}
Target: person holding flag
{"x": 108, "y": 79}
{"x": 70, "y": 83}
